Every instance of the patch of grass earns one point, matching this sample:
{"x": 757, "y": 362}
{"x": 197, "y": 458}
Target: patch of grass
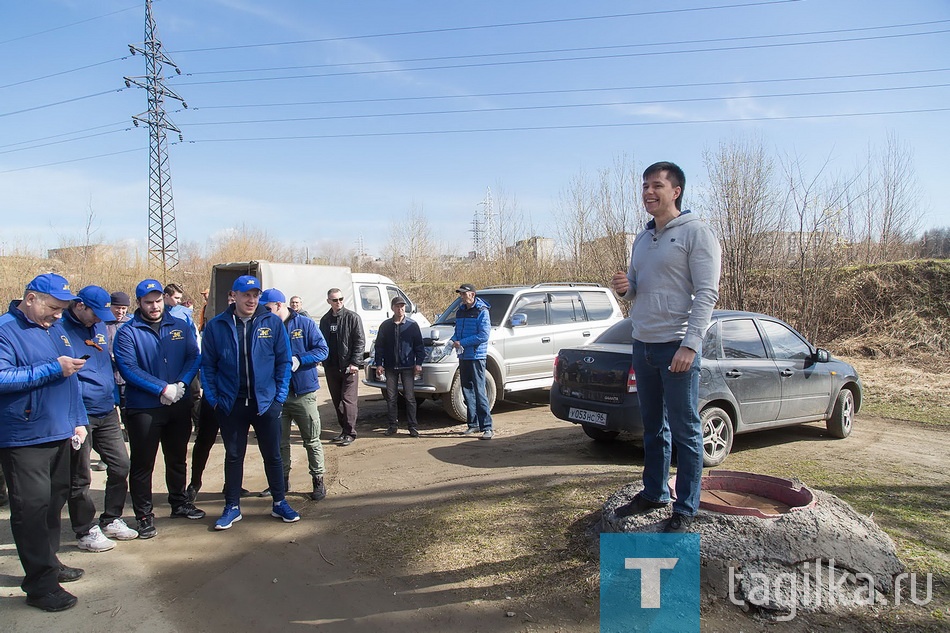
{"x": 917, "y": 391}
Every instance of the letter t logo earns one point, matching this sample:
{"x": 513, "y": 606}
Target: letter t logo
{"x": 649, "y": 578}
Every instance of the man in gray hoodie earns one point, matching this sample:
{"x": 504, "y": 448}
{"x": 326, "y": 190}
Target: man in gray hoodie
{"x": 672, "y": 283}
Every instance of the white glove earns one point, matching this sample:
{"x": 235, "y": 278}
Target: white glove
{"x": 294, "y": 364}
{"x": 181, "y": 390}
{"x": 170, "y": 394}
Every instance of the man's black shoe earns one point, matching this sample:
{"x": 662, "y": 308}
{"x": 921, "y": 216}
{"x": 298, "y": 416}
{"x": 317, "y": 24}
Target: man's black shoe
{"x": 339, "y": 438}
{"x": 188, "y": 510}
{"x": 146, "y": 527}
{"x": 413, "y": 431}
{"x": 58, "y": 600}
{"x": 638, "y": 505}
{"x": 69, "y": 574}
{"x": 678, "y": 524}
{"x": 319, "y": 489}
{"x": 266, "y": 491}
{"x": 346, "y": 441}
{"x": 391, "y": 431}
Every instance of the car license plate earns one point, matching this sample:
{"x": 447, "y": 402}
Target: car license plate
{"x": 588, "y": 417}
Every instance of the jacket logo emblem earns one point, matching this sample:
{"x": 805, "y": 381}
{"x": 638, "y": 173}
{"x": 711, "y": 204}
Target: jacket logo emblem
{"x": 65, "y": 340}
{"x": 100, "y": 339}
{"x": 177, "y": 335}
{"x": 298, "y": 333}
{"x": 263, "y": 332}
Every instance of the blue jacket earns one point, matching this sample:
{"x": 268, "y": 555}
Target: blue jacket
{"x": 270, "y": 359}
{"x": 472, "y": 327}
{"x": 309, "y": 346}
{"x": 97, "y": 377}
{"x": 149, "y": 362}
{"x": 399, "y": 346}
{"x": 37, "y": 404}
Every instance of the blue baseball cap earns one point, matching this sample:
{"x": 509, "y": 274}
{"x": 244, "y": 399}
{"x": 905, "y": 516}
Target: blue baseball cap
{"x": 245, "y": 283}
{"x": 273, "y": 295}
{"x": 53, "y": 285}
{"x": 99, "y": 300}
{"x": 146, "y": 286}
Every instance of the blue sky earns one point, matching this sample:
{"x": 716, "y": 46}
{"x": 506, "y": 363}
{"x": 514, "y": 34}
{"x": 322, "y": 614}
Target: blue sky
{"x": 412, "y": 104}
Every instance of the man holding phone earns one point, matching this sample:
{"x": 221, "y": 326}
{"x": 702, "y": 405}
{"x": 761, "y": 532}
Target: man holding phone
{"x": 40, "y": 411}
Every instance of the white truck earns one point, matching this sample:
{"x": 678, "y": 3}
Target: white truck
{"x": 367, "y": 294}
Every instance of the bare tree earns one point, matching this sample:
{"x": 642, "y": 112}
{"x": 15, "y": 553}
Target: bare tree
{"x": 742, "y": 202}
{"x": 410, "y": 253}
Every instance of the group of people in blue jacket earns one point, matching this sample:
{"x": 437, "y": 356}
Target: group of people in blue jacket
{"x": 60, "y": 356}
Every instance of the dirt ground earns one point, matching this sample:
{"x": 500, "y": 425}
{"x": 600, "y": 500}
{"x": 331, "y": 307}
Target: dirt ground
{"x": 323, "y": 573}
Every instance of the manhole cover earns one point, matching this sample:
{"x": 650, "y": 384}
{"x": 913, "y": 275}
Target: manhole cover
{"x": 749, "y": 494}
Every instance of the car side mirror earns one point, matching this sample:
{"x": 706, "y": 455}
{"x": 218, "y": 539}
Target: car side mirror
{"x": 822, "y": 355}
{"x": 518, "y": 319}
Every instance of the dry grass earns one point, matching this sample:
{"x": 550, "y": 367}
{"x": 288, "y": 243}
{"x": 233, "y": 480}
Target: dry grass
{"x": 916, "y": 388}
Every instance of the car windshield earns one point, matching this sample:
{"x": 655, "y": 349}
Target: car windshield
{"x": 498, "y": 305}
{"x": 620, "y": 333}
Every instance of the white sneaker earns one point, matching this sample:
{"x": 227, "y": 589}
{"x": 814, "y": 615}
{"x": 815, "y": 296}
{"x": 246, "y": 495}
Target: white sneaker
{"x": 95, "y": 541}
{"x": 119, "y": 530}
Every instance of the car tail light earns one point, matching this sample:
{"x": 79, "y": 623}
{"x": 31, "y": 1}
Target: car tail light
{"x": 557, "y": 362}
{"x": 631, "y": 381}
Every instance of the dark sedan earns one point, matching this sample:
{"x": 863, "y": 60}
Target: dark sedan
{"x": 757, "y": 372}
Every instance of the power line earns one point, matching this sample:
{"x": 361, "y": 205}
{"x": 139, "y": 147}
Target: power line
{"x": 575, "y": 49}
{"x": 56, "y": 103}
{"x": 741, "y": 82}
{"x": 68, "y": 140}
{"x": 73, "y": 160}
{"x": 45, "y": 138}
{"x": 485, "y": 26}
{"x": 570, "y": 105}
{"x": 63, "y": 72}
{"x": 566, "y": 59}
{"x": 66, "y": 26}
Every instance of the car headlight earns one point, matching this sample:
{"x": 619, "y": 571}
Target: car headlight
{"x": 437, "y": 352}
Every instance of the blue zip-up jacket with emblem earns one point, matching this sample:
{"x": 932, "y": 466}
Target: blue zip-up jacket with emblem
{"x": 309, "y": 346}
{"x": 149, "y": 362}
{"x": 37, "y": 404}
{"x": 472, "y": 327}
{"x": 270, "y": 358}
{"x": 97, "y": 376}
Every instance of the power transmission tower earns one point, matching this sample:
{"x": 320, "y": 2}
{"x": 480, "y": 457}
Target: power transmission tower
{"x": 487, "y": 241}
{"x": 162, "y": 234}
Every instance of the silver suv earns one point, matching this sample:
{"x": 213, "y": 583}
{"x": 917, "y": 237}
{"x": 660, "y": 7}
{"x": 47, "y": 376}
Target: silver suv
{"x": 529, "y": 324}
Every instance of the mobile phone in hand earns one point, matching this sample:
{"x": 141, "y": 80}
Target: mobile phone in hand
{"x": 84, "y": 357}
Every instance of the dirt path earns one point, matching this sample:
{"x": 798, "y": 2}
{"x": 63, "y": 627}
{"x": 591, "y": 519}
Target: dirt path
{"x": 265, "y": 575}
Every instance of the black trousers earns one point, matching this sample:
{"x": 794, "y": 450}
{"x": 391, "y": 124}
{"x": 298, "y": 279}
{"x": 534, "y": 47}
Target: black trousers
{"x": 344, "y": 392}
{"x": 38, "y": 482}
{"x": 169, "y": 427}
{"x": 204, "y": 441}
{"x": 105, "y": 437}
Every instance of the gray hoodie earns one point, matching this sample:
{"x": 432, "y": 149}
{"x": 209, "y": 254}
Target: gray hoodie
{"x": 674, "y": 281}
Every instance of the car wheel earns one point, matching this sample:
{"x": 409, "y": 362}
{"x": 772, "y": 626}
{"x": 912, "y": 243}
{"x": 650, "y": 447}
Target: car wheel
{"x": 599, "y": 435}
{"x": 842, "y": 417}
{"x": 454, "y": 404}
{"x": 717, "y": 436}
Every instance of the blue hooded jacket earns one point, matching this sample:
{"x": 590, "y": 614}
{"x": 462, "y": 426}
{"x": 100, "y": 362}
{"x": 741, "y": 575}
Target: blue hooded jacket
{"x": 37, "y": 404}
{"x": 270, "y": 359}
{"x": 149, "y": 362}
{"x": 309, "y": 346}
{"x": 472, "y": 328}
{"x": 97, "y": 377}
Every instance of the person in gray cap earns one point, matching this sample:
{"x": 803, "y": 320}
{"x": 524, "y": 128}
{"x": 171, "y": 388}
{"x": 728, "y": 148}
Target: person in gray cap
{"x": 157, "y": 355}
{"x": 83, "y": 322}
{"x": 41, "y": 416}
{"x": 472, "y": 328}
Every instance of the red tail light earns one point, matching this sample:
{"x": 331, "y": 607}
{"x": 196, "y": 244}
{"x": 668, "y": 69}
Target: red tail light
{"x": 631, "y": 381}
{"x": 557, "y": 362}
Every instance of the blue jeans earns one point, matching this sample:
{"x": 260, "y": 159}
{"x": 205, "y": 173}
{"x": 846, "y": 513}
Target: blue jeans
{"x": 234, "y": 428}
{"x": 669, "y": 406}
{"x": 472, "y": 377}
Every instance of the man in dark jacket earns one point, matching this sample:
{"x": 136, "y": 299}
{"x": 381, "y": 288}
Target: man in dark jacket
{"x": 83, "y": 322}
{"x": 40, "y": 411}
{"x": 343, "y": 330}
{"x": 308, "y": 348}
{"x": 157, "y": 354}
{"x": 399, "y": 353}
{"x": 472, "y": 328}
{"x": 245, "y": 373}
